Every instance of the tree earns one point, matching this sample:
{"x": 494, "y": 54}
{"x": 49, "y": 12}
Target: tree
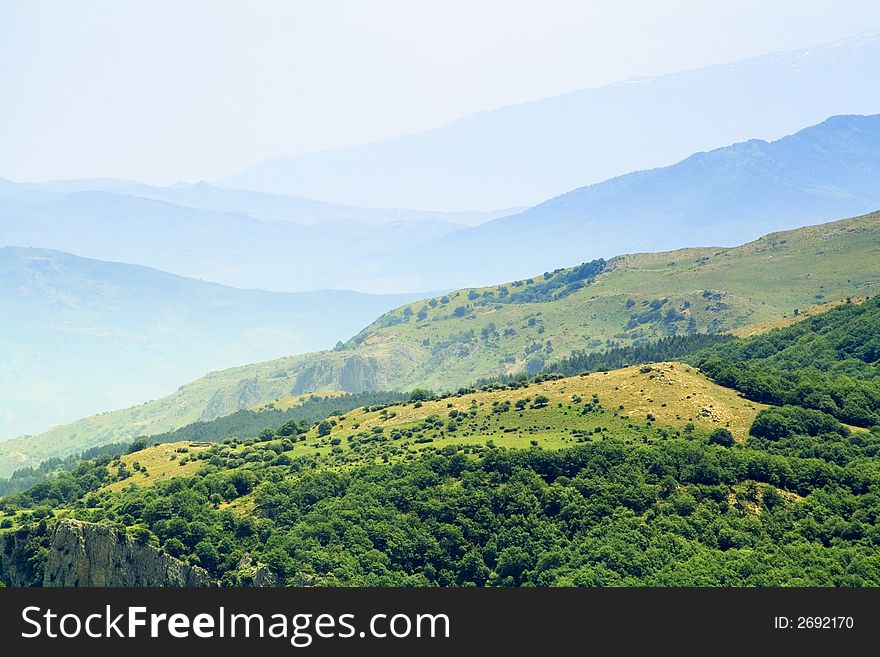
{"x": 175, "y": 547}
{"x": 142, "y": 535}
{"x": 534, "y": 365}
{"x": 324, "y": 428}
{"x": 138, "y": 445}
{"x": 721, "y": 436}
{"x": 207, "y": 554}
{"x": 420, "y": 394}
{"x": 512, "y": 562}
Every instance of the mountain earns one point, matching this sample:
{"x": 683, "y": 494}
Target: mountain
{"x": 523, "y": 154}
{"x": 726, "y": 196}
{"x": 81, "y": 336}
{"x": 273, "y": 207}
{"x": 229, "y": 247}
{"x": 454, "y": 339}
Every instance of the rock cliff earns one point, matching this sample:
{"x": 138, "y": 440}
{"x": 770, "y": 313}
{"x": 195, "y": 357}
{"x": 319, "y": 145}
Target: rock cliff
{"x": 74, "y": 553}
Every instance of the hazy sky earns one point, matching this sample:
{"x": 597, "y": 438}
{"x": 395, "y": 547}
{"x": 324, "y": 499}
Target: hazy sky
{"x": 161, "y": 91}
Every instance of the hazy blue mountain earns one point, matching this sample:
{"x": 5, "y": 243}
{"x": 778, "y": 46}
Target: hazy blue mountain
{"x": 80, "y": 336}
{"x": 724, "y": 197}
{"x": 273, "y": 207}
{"x": 277, "y": 207}
{"x": 232, "y": 248}
{"x": 521, "y": 155}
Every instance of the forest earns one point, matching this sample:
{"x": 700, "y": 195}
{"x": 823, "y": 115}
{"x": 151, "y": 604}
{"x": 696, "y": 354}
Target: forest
{"x": 827, "y": 362}
{"x": 796, "y": 503}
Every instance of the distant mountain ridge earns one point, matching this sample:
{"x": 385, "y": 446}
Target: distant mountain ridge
{"x": 261, "y": 205}
{"x": 80, "y": 336}
{"x": 523, "y": 154}
{"x": 254, "y": 240}
{"x": 726, "y": 196}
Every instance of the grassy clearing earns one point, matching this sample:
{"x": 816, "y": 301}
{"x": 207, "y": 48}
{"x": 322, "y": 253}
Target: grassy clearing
{"x": 673, "y": 393}
{"x": 158, "y": 463}
{"x": 284, "y": 403}
{"x": 636, "y": 404}
{"x": 639, "y": 403}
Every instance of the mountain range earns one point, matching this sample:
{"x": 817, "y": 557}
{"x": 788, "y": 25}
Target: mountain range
{"x": 261, "y": 205}
{"x": 725, "y": 197}
{"x": 523, "y": 154}
{"x": 255, "y": 240}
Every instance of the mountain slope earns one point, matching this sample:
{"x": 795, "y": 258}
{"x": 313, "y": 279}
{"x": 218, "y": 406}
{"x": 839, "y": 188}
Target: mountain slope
{"x": 828, "y": 362}
{"x": 80, "y": 336}
{"x": 521, "y": 155}
{"x": 727, "y": 196}
{"x": 522, "y": 325}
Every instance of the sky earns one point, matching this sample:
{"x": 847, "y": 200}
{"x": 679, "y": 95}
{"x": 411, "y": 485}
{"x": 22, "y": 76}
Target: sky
{"x": 171, "y": 90}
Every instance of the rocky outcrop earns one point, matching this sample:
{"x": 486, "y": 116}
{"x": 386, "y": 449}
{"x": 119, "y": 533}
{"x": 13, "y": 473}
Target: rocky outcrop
{"x": 245, "y": 393}
{"x": 316, "y": 376}
{"x": 74, "y": 553}
{"x": 251, "y": 574}
{"x": 356, "y": 374}
{"x": 86, "y": 554}
{"x": 361, "y": 374}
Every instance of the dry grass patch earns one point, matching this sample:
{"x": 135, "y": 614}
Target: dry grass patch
{"x": 159, "y": 463}
{"x": 674, "y": 394}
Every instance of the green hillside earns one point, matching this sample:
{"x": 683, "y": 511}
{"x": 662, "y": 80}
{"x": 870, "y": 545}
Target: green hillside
{"x": 828, "y": 362}
{"x": 450, "y": 341}
{"x": 647, "y": 475}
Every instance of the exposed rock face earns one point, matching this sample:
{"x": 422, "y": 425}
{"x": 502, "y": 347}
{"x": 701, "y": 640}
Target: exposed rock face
{"x": 87, "y": 554}
{"x": 360, "y": 374}
{"x": 251, "y": 574}
{"x": 244, "y": 394}
{"x": 265, "y": 577}
{"x": 357, "y": 374}
{"x": 314, "y": 377}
